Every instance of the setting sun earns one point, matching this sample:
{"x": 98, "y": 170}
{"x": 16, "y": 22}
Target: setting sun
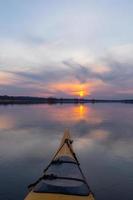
{"x": 73, "y": 89}
{"x": 81, "y": 93}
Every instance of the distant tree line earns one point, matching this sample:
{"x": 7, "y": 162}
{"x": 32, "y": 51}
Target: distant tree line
{"x": 5, "y": 99}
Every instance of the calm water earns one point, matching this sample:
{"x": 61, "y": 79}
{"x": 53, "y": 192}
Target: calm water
{"x": 103, "y": 135}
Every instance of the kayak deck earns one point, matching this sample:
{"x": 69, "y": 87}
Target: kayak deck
{"x": 63, "y": 177}
{"x": 47, "y": 196}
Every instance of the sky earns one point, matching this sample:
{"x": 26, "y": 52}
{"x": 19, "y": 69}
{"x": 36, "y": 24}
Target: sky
{"x": 66, "y": 48}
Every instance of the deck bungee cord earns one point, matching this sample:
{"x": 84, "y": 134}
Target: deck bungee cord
{"x": 62, "y": 178}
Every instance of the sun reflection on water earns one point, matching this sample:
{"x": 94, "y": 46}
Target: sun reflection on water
{"x": 81, "y": 111}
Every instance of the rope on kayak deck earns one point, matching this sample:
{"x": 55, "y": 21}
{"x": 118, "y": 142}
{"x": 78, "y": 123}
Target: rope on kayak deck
{"x": 35, "y": 183}
{"x": 57, "y": 161}
{"x": 53, "y": 158}
{"x": 74, "y": 155}
{"x": 53, "y": 177}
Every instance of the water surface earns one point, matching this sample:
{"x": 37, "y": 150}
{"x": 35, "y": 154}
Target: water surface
{"x": 103, "y": 135}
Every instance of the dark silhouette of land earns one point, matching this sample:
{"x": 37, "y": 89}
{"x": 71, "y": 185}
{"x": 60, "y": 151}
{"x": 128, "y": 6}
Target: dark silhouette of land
{"x": 4, "y": 100}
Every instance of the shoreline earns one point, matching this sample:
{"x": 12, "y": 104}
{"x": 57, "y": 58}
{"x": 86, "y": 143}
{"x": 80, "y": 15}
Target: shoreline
{"x": 5, "y": 100}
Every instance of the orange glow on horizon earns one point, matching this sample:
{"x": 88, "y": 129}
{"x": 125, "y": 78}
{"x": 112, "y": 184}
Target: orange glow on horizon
{"x": 81, "y": 93}
{"x": 73, "y": 89}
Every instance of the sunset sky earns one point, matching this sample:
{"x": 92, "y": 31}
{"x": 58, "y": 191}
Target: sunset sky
{"x": 66, "y": 48}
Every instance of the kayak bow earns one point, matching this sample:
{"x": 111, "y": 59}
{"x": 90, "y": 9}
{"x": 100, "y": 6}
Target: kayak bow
{"x": 63, "y": 178}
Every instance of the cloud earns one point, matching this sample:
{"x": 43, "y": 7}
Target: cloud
{"x": 115, "y": 70}
{"x": 40, "y": 67}
{"x": 7, "y": 78}
{"x": 81, "y": 72}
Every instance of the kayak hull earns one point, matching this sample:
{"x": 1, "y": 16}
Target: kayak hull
{"x": 47, "y": 196}
{"x": 63, "y": 178}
